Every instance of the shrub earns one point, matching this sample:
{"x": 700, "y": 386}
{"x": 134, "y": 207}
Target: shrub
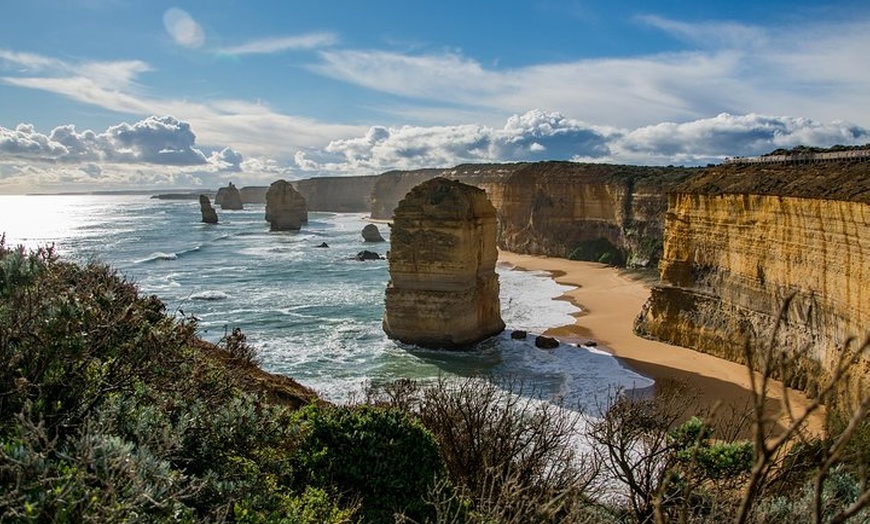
{"x": 598, "y": 250}
{"x": 380, "y": 458}
{"x": 511, "y": 457}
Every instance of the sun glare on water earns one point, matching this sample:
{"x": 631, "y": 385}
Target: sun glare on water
{"x": 37, "y": 220}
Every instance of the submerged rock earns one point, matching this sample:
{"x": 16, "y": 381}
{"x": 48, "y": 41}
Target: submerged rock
{"x": 519, "y": 334}
{"x": 322, "y": 244}
{"x": 443, "y": 289}
{"x": 286, "y": 209}
{"x": 229, "y": 198}
{"x": 370, "y": 233}
{"x": 367, "y": 255}
{"x": 209, "y": 215}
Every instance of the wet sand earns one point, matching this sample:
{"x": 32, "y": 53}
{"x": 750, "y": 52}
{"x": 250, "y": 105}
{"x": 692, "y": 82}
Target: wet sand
{"x": 610, "y": 299}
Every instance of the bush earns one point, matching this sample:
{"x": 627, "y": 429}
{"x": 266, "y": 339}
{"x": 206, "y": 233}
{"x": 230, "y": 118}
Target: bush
{"x": 380, "y": 458}
{"x": 598, "y": 250}
{"x": 511, "y": 457}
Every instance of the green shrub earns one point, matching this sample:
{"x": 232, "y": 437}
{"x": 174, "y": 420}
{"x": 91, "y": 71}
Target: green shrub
{"x": 598, "y": 250}
{"x": 380, "y": 458}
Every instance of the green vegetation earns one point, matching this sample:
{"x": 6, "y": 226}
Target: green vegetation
{"x": 598, "y": 250}
{"x": 113, "y": 411}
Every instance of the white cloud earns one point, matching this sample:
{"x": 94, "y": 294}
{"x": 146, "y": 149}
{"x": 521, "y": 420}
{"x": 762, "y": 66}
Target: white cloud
{"x": 163, "y": 151}
{"x": 155, "y": 140}
{"x": 183, "y": 29}
{"x": 253, "y": 128}
{"x": 816, "y": 70}
{"x": 713, "y": 139}
{"x": 279, "y": 44}
{"x": 535, "y": 135}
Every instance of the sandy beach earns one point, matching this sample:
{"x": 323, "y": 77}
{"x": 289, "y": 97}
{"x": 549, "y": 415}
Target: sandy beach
{"x": 609, "y": 301}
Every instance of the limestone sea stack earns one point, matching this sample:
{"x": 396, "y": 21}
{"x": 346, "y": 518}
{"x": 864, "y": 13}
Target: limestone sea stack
{"x": 229, "y": 197}
{"x": 286, "y": 209}
{"x": 443, "y": 289}
{"x": 370, "y": 233}
{"x": 209, "y": 215}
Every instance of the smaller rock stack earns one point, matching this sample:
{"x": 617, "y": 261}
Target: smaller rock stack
{"x": 443, "y": 289}
{"x": 286, "y": 209}
{"x": 209, "y": 215}
{"x": 370, "y": 233}
{"x": 229, "y": 198}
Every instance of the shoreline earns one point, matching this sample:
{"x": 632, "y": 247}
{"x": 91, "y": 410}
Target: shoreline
{"x": 609, "y": 300}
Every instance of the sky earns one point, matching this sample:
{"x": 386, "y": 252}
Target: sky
{"x": 125, "y": 94}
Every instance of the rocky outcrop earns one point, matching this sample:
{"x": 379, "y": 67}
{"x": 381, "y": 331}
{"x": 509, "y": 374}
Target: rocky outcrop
{"x": 362, "y": 256}
{"x": 370, "y": 233}
{"x": 229, "y": 198}
{"x": 443, "y": 289}
{"x": 209, "y": 215}
{"x": 340, "y": 194}
{"x": 286, "y": 209}
{"x": 740, "y": 240}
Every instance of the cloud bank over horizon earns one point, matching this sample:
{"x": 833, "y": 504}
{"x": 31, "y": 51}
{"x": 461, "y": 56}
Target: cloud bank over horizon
{"x": 164, "y": 150}
{"x": 216, "y": 91}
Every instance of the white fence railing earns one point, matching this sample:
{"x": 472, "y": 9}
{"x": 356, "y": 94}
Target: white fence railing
{"x": 802, "y": 158}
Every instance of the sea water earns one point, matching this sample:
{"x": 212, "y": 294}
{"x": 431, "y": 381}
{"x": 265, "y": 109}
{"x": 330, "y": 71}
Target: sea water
{"x": 313, "y": 313}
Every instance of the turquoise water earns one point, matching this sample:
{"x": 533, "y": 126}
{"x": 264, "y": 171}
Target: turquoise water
{"x": 313, "y": 313}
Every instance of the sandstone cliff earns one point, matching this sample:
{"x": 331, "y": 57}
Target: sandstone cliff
{"x": 391, "y": 187}
{"x": 286, "y": 209}
{"x": 342, "y": 194}
{"x": 600, "y": 212}
{"x": 253, "y": 194}
{"x": 443, "y": 289}
{"x": 741, "y": 238}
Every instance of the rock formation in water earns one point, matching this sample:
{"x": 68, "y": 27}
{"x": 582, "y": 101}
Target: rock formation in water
{"x": 286, "y": 209}
{"x": 364, "y": 255}
{"x": 370, "y": 233}
{"x": 443, "y": 289}
{"x": 209, "y": 215}
{"x": 229, "y": 198}
{"x": 740, "y": 239}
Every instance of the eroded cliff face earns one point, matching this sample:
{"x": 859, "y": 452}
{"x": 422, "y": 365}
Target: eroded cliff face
{"x": 350, "y": 194}
{"x": 600, "y": 212}
{"x": 731, "y": 260}
{"x": 391, "y": 187}
{"x": 443, "y": 290}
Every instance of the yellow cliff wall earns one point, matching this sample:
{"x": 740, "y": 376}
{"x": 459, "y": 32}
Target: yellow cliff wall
{"x": 730, "y": 261}
{"x": 552, "y": 208}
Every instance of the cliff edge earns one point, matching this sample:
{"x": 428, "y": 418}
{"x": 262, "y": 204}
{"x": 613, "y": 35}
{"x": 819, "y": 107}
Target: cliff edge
{"x": 742, "y": 239}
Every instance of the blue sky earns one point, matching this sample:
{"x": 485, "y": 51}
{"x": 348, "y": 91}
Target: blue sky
{"x": 100, "y": 94}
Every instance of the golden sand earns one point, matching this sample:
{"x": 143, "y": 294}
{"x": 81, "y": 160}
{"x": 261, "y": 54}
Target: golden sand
{"x": 610, "y": 300}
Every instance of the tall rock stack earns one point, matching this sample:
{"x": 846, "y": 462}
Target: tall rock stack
{"x": 443, "y": 289}
{"x": 209, "y": 215}
{"x": 286, "y": 209}
{"x": 229, "y": 197}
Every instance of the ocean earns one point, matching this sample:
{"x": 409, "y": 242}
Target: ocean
{"x": 314, "y": 314}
